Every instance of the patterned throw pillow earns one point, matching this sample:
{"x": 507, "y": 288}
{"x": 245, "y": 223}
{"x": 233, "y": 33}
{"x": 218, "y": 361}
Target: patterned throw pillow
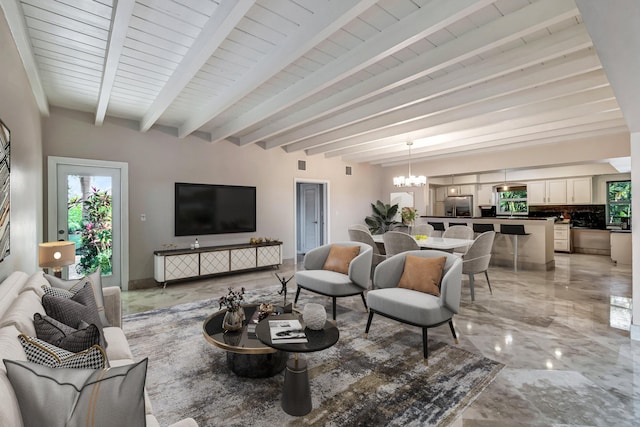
{"x": 104, "y": 397}
{"x": 71, "y": 311}
{"x": 43, "y": 353}
{"x": 74, "y": 286}
{"x": 57, "y": 333}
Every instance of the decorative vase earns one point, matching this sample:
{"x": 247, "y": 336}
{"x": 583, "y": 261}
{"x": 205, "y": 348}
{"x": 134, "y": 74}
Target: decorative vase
{"x": 314, "y": 316}
{"x": 233, "y": 320}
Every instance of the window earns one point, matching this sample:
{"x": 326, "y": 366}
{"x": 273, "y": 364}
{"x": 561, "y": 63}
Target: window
{"x": 618, "y": 201}
{"x": 512, "y": 201}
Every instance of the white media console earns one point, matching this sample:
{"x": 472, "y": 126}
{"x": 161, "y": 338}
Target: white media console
{"x": 181, "y": 264}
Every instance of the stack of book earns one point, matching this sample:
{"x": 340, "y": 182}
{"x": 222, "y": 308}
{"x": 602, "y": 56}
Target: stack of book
{"x": 287, "y": 332}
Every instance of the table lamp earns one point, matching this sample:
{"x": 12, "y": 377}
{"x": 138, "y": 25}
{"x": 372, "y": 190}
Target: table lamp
{"x": 56, "y": 255}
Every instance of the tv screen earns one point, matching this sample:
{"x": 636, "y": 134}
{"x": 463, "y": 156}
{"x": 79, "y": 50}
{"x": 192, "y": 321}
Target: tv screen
{"x": 214, "y": 209}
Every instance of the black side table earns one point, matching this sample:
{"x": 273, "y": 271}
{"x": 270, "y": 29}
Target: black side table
{"x": 296, "y": 393}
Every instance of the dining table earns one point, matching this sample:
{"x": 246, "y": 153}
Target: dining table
{"x": 447, "y": 244}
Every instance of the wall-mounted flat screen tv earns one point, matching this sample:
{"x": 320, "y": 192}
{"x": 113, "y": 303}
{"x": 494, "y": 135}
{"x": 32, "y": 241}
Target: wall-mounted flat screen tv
{"x": 214, "y": 209}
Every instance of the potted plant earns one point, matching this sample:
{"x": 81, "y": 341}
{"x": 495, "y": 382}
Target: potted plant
{"x": 382, "y": 218}
{"x": 408, "y": 215}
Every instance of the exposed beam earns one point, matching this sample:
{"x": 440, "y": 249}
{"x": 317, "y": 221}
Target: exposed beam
{"x": 496, "y": 33}
{"x": 122, "y": 10}
{"x": 312, "y": 31}
{"x": 479, "y": 138}
{"x": 538, "y": 143}
{"x": 541, "y": 51}
{"x": 431, "y": 18}
{"x": 515, "y": 82}
{"x": 521, "y": 109}
{"x": 15, "y": 19}
{"x": 215, "y": 31}
{"x": 613, "y": 26}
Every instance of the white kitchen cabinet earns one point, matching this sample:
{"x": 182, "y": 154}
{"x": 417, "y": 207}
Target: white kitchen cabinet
{"x": 561, "y": 237}
{"x": 621, "y": 247}
{"x": 485, "y": 195}
{"x": 551, "y": 192}
{"x": 557, "y": 192}
{"x": 579, "y": 190}
{"x": 441, "y": 194}
{"x": 537, "y": 192}
{"x": 461, "y": 190}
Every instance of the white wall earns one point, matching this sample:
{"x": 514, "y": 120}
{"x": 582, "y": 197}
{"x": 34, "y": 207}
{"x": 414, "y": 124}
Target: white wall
{"x": 19, "y": 112}
{"x": 157, "y": 160}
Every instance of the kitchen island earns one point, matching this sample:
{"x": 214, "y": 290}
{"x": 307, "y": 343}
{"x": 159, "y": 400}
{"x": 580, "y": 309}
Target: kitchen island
{"x": 535, "y": 249}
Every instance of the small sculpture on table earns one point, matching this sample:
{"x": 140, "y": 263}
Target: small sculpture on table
{"x": 283, "y": 290}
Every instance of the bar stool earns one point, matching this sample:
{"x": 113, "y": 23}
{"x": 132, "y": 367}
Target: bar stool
{"x": 514, "y": 230}
{"x": 451, "y": 224}
{"x": 482, "y": 228}
{"x": 437, "y": 226}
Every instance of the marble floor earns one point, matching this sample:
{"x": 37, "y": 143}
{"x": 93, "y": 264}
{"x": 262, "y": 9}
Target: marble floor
{"x": 563, "y": 336}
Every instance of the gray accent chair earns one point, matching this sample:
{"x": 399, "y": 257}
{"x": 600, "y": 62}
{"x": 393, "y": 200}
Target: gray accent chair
{"x": 422, "y": 230}
{"x": 333, "y": 284}
{"x": 459, "y": 232}
{"x": 396, "y": 242}
{"x": 476, "y": 259}
{"x": 363, "y": 237}
{"x": 414, "y": 307}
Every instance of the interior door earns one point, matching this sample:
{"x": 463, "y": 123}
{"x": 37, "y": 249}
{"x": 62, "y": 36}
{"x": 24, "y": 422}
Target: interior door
{"x": 87, "y": 205}
{"x": 310, "y": 216}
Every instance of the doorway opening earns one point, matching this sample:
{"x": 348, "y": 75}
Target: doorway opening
{"x": 311, "y": 215}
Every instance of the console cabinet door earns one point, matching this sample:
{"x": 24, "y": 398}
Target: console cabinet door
{"x": 269, "y": 255}
{"x": 214, "y": 262}
{"x": 243, "y": 258}
{"x": 181, "y": 266}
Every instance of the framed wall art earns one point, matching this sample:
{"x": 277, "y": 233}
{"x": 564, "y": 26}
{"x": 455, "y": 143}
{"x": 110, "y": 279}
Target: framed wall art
{"x": 5, "y": 190}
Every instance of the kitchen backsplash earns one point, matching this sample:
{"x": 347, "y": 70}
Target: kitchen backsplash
{"x": 587, "y": 216}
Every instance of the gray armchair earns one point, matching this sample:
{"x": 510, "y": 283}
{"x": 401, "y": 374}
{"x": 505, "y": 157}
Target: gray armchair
{"x": 476, "y": 259}
{"x": 396, "y": 242}
{"x": 365, "y": 237}
{"x": 414, "y": 307}
{"x": 333, "y": 284}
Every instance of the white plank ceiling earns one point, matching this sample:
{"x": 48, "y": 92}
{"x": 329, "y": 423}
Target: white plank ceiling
{"x": 353, "y": 79}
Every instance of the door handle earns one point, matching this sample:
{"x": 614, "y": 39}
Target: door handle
{"x": 60, "y": 231}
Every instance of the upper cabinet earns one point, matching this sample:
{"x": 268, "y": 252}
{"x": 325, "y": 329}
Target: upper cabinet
{"x": 485, "y": 195}
{"x": 579, "y": 190}
{"x": 461, "y": 190}
{"x": 441, "y": 194}
{"x": 560, "y": 191}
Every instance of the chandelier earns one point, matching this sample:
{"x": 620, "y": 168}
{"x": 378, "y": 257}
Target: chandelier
{"x": 411, "y": 181}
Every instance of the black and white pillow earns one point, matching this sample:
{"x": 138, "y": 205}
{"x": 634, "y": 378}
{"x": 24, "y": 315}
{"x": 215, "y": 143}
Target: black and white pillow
{"x": 71, "y": 311}
{"x": 57, "y": 333}
{"x": 73, "y": 286}
{"x": 43, "y": 353}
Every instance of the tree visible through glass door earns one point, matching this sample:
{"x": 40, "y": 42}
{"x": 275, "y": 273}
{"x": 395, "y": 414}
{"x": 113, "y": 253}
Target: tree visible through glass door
{"x": 89, "y": 204}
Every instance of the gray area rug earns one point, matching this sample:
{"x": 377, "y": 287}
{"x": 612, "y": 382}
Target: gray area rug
{"x": 380, "y": 380}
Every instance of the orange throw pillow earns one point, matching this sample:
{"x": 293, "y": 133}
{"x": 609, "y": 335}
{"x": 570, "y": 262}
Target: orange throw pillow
{"x": 422, "y": 274}
{"x": 340, "y": 257}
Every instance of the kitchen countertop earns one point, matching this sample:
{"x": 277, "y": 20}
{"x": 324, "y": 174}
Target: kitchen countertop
{"x": 619, "y": 231}
{"x": 516, "y": 218}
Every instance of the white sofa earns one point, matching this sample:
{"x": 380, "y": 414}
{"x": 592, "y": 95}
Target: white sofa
{"x": 20, "y": 299}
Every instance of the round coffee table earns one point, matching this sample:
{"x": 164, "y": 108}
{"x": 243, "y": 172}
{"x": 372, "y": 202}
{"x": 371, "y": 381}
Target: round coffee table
{"x": 296, "y": 393}
{"x": 247, "y": 356}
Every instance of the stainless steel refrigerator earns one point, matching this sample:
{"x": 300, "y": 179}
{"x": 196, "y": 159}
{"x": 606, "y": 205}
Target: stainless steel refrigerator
{"x": 458, "y": 206}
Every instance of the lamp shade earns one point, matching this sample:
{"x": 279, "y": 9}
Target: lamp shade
{"x": 56, "y": 254}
